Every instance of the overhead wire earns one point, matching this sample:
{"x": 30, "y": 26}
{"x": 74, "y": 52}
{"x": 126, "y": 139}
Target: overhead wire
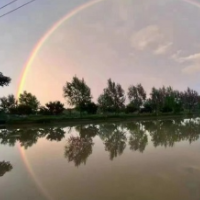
{"x": 13, "y": 10}
{"x": 8, "y": 4}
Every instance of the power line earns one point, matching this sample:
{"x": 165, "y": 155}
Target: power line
{"x": 8, "y": 4}
{"x": 16, "y": 8}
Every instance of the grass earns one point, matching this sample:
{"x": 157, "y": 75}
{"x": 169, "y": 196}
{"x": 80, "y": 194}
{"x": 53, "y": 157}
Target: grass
{"x": 75, "y": 118}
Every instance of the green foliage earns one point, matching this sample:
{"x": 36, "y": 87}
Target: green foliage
{"x": 55, "y": 108}
{"x": 43, "y": 110}
{"x": 156, "y": 99}
{"x": 166, "y": 99}
{"x": 78, "y": 94}
{"x": 169, "y": 104}
{"x": 28, "y": 102}
{"x": 91, "y": 108}
{"x": 190, "y": 99}
{"x": 52, "y": 108}
{"x": 137, "y": 95}
{"x": 22, "y": 109}
{"x": 4, "y": 80}
{"x": 113, "y": 98}
{"x": 147, "y": 107}
{"x": 105, "y": 102}
{"x": 172, "y": 104}
{"x": 7, "y": 104}
{"x": 131, "y": 108}
{"x": 5, "y": 167}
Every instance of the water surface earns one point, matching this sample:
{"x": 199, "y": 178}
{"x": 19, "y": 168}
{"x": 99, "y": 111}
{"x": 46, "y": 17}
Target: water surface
{"x": 111, "y": 161}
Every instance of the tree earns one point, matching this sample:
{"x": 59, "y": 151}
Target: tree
{"x": 105, "y": 102}
{"x": 4, "y": 80}
{"x": 190, "y": 99}
{"x": 55, "y": 108}
{"x": 5, "y": 167}
{"x": 147, "y": 107}
{"x": 171, "y": 104}
{"x": 44, "y": 111}
{"x": 165, "y": 99}
{"x": 28, "y": 101}
{"x": 137, "y": 95}
{"x": 23, "y": 109}
{"x": 131, "y": 108}
{"x": 113, "y": 97}
{"x": 7, "y": 104}
{"x": 91, "y": 108}
{"x": 198, "y": 103}
{"x": 78, "y": 94}
{"x": 156, "y": 99}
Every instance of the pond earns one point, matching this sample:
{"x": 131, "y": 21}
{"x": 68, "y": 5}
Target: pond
{"x": 157, "y": 160}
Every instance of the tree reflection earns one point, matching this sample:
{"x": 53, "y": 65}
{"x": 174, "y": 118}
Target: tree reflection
{"x": 87, "y": 131}
{"x": 27, "y": 137}
{"x": 167, "y": 133}
{"x": 8, "y": 137}
{"x": 190, "y": 130}
{"x": 138, "y": 139}
{"x": 78, "y": 149}
{"x": 164, "y": 133}
{"x": 114, "y": 138}
{"x": 55, "y": 134}
{"x": 5, "y": 167}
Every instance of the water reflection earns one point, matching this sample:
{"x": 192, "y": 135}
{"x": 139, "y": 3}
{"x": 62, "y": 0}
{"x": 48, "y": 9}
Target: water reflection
{"x": 54, "y": 134}
{"x": 138, "y": 139}
{"x": 167, "y": 133}
{"x": 27, "y": 137}
{"x": 78, "y": 149}
{"x": 87, "y": 131}
{"x": 5, "y": 167}
{"x": 115, "y": 137}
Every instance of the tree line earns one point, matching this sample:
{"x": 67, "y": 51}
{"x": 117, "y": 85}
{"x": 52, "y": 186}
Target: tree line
{"x": 112, "y": 100}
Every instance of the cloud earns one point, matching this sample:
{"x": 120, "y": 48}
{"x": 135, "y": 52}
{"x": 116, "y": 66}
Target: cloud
{"x": 194, "y": 62}
{"x": 146, "y": 37}
{"x": 176, "y": 56}
{"x": 192, "y": 69}
{"x": 194, "y": 57}
{"x": 150, "y": 37}
{"x": 191, "y": 58}
{"x": 162, "y": 49}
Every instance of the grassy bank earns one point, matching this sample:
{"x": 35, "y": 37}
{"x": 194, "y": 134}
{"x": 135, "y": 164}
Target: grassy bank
{"x": 37, "y": 119}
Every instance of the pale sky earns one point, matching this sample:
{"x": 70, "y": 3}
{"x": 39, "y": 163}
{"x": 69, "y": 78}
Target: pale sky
{"x": 153, "y": 42}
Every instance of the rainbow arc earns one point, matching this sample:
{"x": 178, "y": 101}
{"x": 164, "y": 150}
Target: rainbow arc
{"x": 33, "y": 55}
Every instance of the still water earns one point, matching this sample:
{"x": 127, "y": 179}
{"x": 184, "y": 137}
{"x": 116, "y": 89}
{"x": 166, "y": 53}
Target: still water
{"x": 150, "y": 160}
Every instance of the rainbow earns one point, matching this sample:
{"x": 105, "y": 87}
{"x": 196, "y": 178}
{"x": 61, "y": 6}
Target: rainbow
{"x": 46, "y": 36}
{"x": 26, "y": 68}
{"x": 42, "y": 41}
{"x": 29, "y": 63}
{"x": 193, "y": 2}
{"x": 31, "y": 172}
